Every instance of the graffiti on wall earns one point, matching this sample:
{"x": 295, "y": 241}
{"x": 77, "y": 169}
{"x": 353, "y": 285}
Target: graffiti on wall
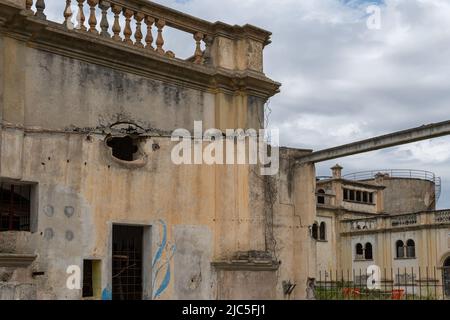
{"x": 107, "y": 294}
{"x": 161, "y": 264}
{"x": 161, "y": 273}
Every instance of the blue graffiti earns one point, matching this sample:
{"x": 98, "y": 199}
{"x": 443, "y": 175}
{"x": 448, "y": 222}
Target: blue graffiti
{"x": 106, "y": 294}
{"x": 159, "y": 264}
{"x": 160, "y": 251}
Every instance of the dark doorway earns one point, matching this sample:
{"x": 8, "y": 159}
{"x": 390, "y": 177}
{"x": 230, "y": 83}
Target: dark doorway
{"x": 127, "y": 262}
{"x": 446, "y": 273}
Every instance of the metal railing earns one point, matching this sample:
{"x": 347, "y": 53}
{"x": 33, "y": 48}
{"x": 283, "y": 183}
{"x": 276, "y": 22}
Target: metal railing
{"x": 392, "y": 284}
{"x": 399, "y": 173}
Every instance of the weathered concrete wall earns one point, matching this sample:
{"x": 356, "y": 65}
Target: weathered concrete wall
{"x": 408, "y": 195}
{"x": 253, "y": 285}
{"x": 72, "y": 93}
{"x": 294, "y": 214}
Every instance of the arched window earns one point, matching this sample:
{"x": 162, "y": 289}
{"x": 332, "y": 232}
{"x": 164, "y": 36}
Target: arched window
{"x": 400, "y": 249}
{"x": 321, "y": 199}
{"x": 359, "y": 251}
{"x": 368, "y": 252}
{"x": 323, "y": 231}
{"x": 314, "y": 231}
{"x": 410, "y": 249}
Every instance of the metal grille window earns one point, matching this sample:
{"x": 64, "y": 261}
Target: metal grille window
{"x": 15, "y": 207}
{"x": 127, "y": 262}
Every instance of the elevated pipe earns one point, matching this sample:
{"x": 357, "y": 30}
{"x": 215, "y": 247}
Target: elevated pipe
{"x": 424, "y": 132}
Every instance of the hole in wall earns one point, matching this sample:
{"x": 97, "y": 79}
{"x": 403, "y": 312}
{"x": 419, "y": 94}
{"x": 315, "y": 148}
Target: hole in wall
{"x": 124, "y": 148}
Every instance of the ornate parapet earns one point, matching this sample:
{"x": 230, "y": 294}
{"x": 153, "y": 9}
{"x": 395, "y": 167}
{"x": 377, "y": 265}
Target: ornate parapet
{"x": 442, "y": 216}
{"x": 404, "y": 220}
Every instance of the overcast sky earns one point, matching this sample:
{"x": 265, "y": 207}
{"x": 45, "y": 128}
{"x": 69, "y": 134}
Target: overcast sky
{"x": 343, "y": 82}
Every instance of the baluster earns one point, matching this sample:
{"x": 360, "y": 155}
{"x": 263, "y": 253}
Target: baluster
{"x": 40, "y": 7}
{"x": 198, "y": 49}
{"x": 68, "y": 15}
{"x": 138, "y": 34}
{"x": 127, "y": 31}
{"x": 207, "y": 57}
{"x": 104, "y": 24}
{"x": 80, "y": 17}
{"x": 92, "y": 18}
{"x": 28, "y": 5}
{"x": 116, "y": 26}
{"x": 160, "y": 40}
{"x": 149, "y": 38}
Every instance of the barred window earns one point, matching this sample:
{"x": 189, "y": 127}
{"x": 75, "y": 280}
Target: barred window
{"x": 15, "y": 207}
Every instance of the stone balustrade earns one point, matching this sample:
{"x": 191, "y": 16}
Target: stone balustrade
{"x": 136, "y": 23}
{"x": 414, "y": 220}
{"x": 366, "y": 224}
{"x": 404, "y": 220}
{"x": 442, "y": 216}
{"x": 141, "y": 24}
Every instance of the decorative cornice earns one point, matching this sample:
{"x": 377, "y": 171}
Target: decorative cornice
{"x": 16, "y": 260}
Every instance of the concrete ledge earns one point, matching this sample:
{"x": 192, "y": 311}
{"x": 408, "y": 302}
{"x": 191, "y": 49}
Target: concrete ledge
{"x": 246, "y": 265}
{"x": 16, "y": 260}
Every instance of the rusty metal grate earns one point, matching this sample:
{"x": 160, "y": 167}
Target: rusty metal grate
{"x": 127, "y": 263}
{"x": 15, "y": 207}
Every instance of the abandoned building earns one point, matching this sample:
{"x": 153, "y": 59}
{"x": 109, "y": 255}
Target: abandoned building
{"x": 386, "y": 218}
